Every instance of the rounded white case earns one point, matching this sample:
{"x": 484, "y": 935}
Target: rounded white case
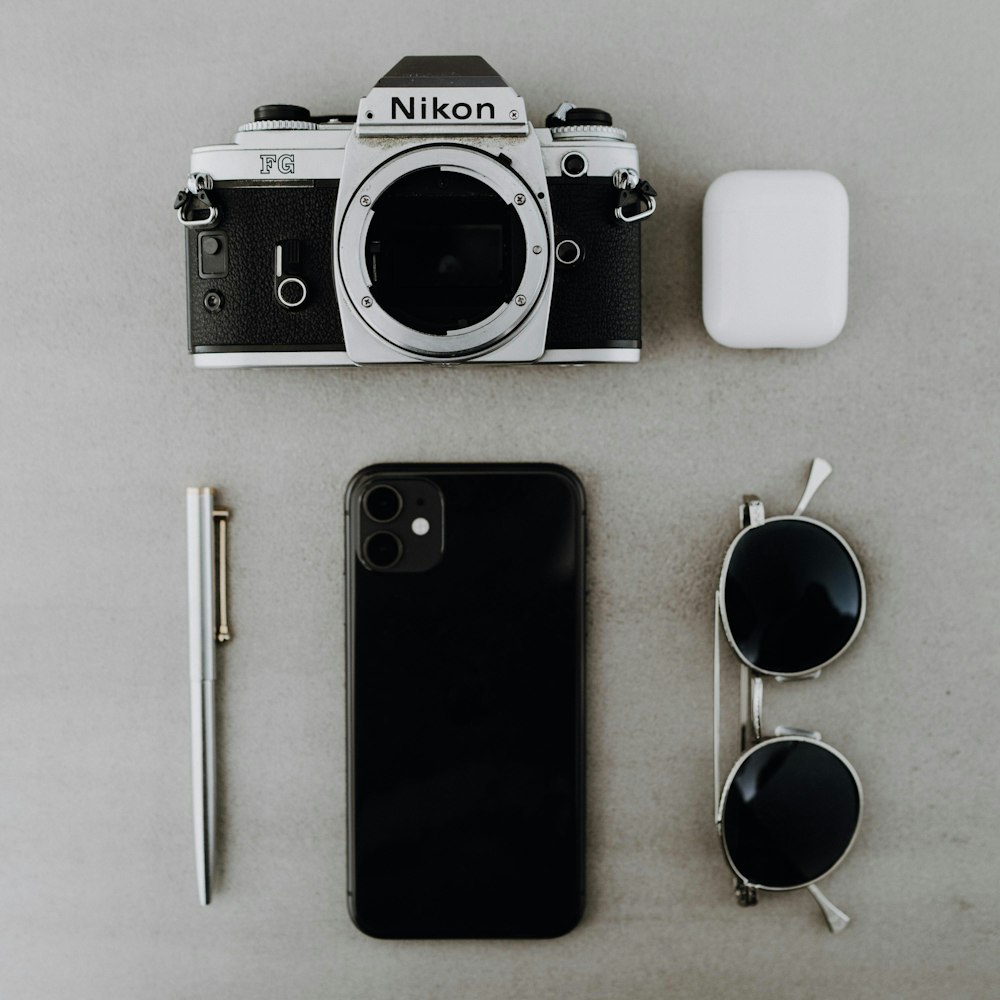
{"x": 774, "y": 258}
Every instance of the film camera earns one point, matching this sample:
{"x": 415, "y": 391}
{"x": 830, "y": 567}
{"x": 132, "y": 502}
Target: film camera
{"x": 436, "y": 225}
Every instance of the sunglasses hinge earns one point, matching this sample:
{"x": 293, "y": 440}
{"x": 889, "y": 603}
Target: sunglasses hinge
{"x": 751, "y": 512}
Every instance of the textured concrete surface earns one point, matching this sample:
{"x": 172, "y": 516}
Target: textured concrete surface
{"x": 103, "y": 422}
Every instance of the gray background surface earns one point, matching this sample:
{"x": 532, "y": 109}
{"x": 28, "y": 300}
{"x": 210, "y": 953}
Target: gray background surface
{"x": 103, "y": 422}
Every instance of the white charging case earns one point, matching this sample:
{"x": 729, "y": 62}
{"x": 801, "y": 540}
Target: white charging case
{"x": 774, "y": 258}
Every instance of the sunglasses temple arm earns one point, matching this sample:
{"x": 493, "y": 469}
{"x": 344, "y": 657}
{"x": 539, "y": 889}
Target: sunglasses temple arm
{"x": 836, "y": 919}
{"x": 715, "y": 713}
{"x": 818, "y": 474}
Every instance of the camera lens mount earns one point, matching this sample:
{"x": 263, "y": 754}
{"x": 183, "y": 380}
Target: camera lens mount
{"x": 450, "y": 268}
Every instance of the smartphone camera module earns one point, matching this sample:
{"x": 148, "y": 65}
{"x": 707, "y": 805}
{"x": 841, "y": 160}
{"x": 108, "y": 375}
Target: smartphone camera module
{"x": 414, "y": 510}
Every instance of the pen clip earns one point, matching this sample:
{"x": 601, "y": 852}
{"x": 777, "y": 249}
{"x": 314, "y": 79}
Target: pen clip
{"x": 220, "y": 520}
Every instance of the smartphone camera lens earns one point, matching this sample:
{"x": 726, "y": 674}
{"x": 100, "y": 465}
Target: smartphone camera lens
{"x": 382, "y": 503}
{"x": 382, "y": 550}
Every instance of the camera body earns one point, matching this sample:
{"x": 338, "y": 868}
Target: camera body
{"x": 437, "y": 226}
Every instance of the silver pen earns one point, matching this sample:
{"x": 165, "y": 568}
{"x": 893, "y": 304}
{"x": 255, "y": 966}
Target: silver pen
{"x": 208, "y": 625}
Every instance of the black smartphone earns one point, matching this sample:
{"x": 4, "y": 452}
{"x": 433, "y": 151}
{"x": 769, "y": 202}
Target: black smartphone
{"x": 465, "y": 651}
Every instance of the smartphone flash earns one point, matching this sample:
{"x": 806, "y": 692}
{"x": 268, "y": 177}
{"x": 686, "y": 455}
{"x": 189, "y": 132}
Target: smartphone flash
{"x": 420, "y": 526}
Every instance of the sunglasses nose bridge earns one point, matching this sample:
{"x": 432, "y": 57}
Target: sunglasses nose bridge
{"x": 751, "y": 708}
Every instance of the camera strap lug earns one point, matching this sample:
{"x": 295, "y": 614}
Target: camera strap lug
{"x": 194, "y": 198}
{"x": 633, "y": 191}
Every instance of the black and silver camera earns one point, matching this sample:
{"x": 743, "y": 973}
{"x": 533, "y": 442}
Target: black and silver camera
{"x": 437, "y": 225}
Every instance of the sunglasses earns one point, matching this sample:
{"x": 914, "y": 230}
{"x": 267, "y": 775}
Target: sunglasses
{"x": 791, "y": 600}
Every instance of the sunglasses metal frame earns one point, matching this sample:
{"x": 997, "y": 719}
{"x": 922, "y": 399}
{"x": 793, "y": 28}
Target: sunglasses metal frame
{"x": 752, "y": 698}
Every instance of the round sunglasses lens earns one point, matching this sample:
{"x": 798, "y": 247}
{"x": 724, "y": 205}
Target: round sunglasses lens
{"x": 792, "y": 596}
{"x": 790, "y": 814}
